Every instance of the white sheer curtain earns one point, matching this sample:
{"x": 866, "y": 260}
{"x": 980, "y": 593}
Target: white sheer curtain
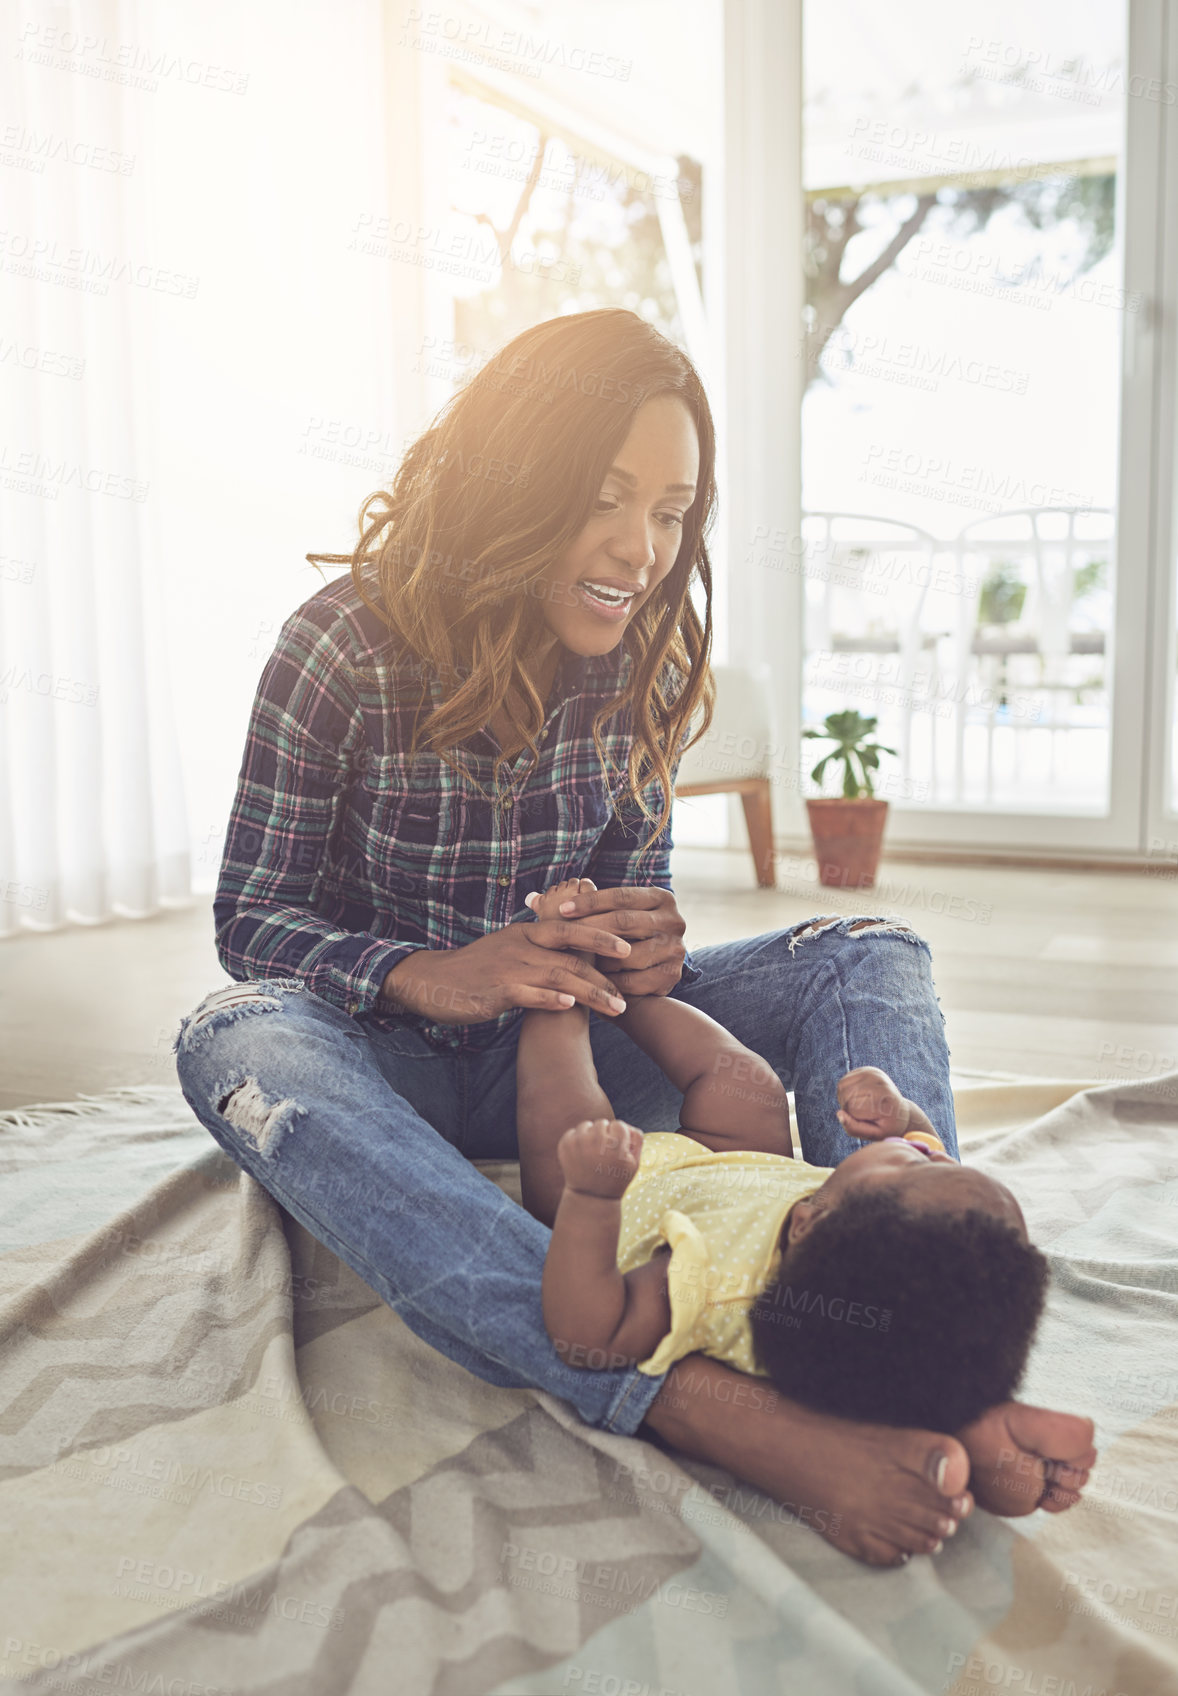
{"x": 92, "y": 815}
{"x": 192, "y": 344}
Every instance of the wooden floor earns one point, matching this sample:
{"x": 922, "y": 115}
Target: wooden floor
{"x": 1052, "y": 973}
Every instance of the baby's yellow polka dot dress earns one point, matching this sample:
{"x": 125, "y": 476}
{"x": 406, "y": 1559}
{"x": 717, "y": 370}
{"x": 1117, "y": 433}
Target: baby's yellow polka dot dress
{"x": 722, "y": 1216}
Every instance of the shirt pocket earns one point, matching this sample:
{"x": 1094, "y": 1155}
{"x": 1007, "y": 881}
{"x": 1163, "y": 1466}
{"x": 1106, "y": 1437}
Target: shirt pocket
{"x": 412, "y": 831}
{"x": 593, "y": 810}
{"x": 564, "y": 827}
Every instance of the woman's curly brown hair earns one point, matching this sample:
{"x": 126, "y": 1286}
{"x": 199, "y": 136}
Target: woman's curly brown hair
{"x": 493, "y": 492}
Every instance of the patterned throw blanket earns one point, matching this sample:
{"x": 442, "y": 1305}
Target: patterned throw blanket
{"x": 226, "y": 1466}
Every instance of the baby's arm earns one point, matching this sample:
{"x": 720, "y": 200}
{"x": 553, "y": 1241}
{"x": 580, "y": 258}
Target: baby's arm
{"x": 595, "y": 1315}
{"x": 732, "y": 1098}
{"x": 556, "y": 1083}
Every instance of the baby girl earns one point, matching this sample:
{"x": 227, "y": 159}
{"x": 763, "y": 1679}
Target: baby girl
{"x": 898, "y": 1287}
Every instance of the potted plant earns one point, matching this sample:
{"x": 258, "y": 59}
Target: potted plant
{"x": 1001, "y": 601}
{"x": 848, "y": 830}
{"x": 1003, "y": 594}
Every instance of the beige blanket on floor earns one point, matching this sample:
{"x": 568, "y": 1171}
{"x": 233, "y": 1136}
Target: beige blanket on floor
{"x": 225, "y": 1465}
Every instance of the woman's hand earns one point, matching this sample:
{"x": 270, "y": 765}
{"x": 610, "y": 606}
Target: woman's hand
{"x": 519, "y": 965}
{"x": 546, "y": 904}
{"x": 650, "y": 919}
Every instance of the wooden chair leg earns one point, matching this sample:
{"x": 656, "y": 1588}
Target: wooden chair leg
{"x": 758, "y": 816}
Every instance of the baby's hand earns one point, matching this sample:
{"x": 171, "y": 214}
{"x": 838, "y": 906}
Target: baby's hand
{"x": 871, "y": 1106}
{"x": 547, "y": 905}
{"x": 600, "y": 1156}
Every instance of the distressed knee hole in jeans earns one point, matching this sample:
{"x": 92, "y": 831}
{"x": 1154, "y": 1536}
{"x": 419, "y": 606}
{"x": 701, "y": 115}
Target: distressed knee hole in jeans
{"x": 246, "y": 1108}
{"x": 874, "y": 926}
{"x": 225, "y": 1006}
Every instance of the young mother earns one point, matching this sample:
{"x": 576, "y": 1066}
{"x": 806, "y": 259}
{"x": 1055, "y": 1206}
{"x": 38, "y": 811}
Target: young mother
{"x": 497, "y": 697}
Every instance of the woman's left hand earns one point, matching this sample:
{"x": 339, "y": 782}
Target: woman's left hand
{"x": 650, "y": 921}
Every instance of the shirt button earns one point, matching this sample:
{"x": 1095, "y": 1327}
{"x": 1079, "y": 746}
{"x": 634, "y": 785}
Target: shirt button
{"x": 505, "y": 881}
{"x": 352, "y": 1006}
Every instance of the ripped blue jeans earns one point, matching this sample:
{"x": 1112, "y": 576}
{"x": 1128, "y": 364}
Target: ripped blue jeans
{"x": 368, "y": 1137}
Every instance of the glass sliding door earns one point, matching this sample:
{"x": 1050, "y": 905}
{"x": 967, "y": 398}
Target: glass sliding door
{"x": 978, "y": 261}
{"x": 1161, "y": 844}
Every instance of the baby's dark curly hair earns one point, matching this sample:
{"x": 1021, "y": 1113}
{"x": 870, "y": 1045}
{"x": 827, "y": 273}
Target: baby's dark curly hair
{"x": 901, "y": 1317}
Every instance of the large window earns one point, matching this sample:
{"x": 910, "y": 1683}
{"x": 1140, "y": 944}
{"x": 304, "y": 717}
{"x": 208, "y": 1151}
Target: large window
{"x": 554, "y": 226}
{"x": 569, "y": 178}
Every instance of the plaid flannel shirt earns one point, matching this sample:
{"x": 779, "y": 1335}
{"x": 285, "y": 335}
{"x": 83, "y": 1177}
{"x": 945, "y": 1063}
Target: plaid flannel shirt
{"x": 340, "y": 860}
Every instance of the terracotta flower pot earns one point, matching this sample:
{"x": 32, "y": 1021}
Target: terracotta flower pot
{"x": 847, "y": 839}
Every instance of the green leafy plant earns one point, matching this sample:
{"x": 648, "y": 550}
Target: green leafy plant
{"x": 1090, "y": 577}
{"x": 1088, "y": 688}
{"x": 1002, "y": 595}
{"x": 850, "y": 732}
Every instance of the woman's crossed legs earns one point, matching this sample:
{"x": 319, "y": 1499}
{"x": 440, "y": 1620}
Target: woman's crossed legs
{"x": 358, "y": 1135}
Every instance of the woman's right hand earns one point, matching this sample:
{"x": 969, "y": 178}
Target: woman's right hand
{"x": 520, "y": 965}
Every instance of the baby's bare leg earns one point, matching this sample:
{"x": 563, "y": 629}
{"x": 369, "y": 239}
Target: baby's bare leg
{"x": 555, "y": 1079}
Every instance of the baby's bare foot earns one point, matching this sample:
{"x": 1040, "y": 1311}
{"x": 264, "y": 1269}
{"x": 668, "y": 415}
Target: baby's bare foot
{"x": 546, "y": 905}
{"x": 1023, "y": 1458}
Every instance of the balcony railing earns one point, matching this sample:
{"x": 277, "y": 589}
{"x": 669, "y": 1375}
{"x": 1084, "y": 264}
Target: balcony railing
{"x": 999, "y": 633}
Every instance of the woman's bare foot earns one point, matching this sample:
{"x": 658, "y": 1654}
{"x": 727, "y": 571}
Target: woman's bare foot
{"x": 875, "y": 1492}
{"x": 871, "y": 1107}
{"x": 547, "y": 905}
{"x": 1023, "y": 1458}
